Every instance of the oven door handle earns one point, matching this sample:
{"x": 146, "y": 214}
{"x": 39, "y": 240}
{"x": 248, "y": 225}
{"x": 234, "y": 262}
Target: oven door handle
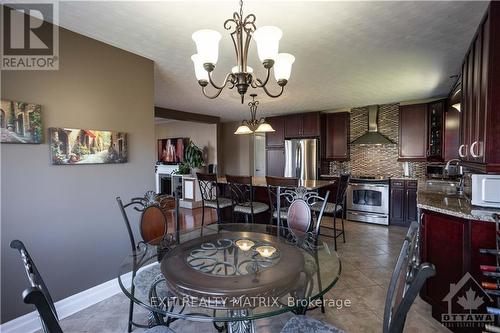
{"x": 368, "y": 215}
{"x": 370, "y": 185}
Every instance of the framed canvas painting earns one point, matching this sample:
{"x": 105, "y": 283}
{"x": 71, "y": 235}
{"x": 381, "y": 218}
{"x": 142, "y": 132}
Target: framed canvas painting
{"x": 81, "y": 146}
{"x": 20, "y": 122}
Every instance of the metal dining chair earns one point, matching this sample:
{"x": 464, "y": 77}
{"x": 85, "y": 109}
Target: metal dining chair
{"x": 153, "y": 227}
{"x": 336, "y": 208}
{"x": 407, "y": 279}
{"x": 272, "y": 185}
{"x": 303, "y": 225}
{"x": 38, "y": 295}
{"x": 210, "y": 195}
{"x": 242, "y": 197}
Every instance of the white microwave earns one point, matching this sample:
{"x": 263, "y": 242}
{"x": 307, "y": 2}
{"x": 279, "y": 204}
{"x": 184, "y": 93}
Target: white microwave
{"x": 486, "y": 190}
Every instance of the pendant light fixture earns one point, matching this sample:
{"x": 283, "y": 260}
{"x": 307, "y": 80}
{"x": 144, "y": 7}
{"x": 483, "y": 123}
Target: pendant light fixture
{"x": 253, "y": 125}
{"x": 241, "y": 75}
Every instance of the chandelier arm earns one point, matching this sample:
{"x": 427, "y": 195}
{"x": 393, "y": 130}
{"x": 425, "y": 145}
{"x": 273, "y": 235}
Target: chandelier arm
{"x": 227, "y": 79}
{"x": 217, "y": 93}
{"x": 270, "y": 94}
{"x": 257, "y": 83}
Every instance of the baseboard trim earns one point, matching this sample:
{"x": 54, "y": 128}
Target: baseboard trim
{"x": 29, "y": 322}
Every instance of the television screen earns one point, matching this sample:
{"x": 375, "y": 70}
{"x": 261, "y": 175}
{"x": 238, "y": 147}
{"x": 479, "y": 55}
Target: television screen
{"x": 171, "y": 151}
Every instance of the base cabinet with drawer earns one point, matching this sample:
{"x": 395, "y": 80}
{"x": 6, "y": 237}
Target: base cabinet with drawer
{"x": 403, "y": 201}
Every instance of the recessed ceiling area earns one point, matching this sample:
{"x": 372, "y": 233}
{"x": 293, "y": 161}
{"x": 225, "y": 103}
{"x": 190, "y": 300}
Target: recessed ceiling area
{"x": 347, "y": 53}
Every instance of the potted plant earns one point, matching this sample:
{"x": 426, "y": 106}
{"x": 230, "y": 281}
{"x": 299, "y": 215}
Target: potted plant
{"x": 193, "y": 156}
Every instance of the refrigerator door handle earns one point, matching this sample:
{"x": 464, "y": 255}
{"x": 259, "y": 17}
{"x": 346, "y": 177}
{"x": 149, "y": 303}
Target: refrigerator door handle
{"x": 297, "y": 161}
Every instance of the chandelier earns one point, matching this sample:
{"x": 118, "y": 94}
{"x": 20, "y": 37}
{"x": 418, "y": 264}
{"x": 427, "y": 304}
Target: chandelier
{"x": 254, "y": 125}
{"x": 241, "y": 76}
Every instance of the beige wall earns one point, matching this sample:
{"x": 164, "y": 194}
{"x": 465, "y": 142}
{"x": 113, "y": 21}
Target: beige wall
{"x": 203, "y": 135}
{"x": 237, "y": 151}
{"x": 67, "y": 216}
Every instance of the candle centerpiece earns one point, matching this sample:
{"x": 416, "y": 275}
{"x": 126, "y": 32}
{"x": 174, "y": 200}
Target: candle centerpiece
{"x": 244, "y": 244}
{"x": 266, "y": 250}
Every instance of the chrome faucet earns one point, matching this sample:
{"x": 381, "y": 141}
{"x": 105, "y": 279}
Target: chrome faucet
{"x": 460, "y": 187}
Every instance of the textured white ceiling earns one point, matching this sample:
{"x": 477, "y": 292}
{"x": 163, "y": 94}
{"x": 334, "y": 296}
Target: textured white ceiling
{"x": 347, "y": 53}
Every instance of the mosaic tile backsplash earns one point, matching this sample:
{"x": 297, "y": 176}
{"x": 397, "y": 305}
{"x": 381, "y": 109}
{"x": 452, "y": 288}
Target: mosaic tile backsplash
{"x": 374, "y": 159}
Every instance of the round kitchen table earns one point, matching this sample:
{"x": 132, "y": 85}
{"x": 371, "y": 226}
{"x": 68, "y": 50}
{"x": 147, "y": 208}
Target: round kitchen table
{"x": 229, "y": 274}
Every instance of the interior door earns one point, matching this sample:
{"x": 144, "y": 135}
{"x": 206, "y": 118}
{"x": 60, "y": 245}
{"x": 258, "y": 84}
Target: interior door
{"x": 259, "y": 164}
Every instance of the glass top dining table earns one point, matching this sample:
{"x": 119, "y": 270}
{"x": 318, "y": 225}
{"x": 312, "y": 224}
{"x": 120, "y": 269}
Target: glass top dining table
{"x": 226, "y": 273}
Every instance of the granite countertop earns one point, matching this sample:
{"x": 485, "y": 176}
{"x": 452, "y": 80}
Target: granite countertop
{"x": 308, "y": 184}
{"x": 443, "y": 199}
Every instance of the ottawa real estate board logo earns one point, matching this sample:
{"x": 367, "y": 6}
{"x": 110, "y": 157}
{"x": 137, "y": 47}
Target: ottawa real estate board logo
{"x": 30, "y": 36}
{"x": 467, "y": 302}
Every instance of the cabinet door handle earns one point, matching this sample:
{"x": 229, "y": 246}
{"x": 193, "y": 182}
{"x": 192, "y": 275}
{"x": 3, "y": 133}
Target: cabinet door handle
{"x": 460, "y": 153}
{"x": 472, "y": 149}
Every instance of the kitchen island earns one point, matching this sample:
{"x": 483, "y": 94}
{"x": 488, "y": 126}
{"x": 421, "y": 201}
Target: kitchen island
{"x": 312, "y": 184}
{"x": 452, "y": 232}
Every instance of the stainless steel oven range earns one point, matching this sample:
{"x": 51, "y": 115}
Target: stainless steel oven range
{"x": 368, "y": 199}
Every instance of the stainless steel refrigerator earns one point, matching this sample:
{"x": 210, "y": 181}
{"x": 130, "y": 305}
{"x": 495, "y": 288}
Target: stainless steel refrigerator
{"x": 301, "y": 158}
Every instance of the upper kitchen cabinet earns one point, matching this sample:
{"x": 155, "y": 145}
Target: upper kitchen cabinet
{"x": 335, "y": 136}
{"x": 276, "y": 138}
{"x": 436, "y": 131}
{"x": 302, "y": 125}
{"x": 480, "y": 107}
{"x": 413, "y": 123}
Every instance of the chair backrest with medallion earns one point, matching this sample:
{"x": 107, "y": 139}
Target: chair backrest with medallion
{"x": 300, "y": 215}
{"x": 407, "y": 279}
{"x": 37, "y": 293}
{"x": 153, "y": 222}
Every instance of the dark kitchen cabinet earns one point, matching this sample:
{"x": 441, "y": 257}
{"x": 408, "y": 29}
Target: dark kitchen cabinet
{"x": 413, "y": 122}
{"x": 436, "y": 131}
{"x": 335, "y": 136}
{"x": 480, "y": 102}
{"x": 452, "y": 245}
{"x": 293, "y": 126}
{"x": 403, "y": 202}
{"x": 452, "y": 125}
{"x": 276, "y": 138}
{"x": 275, "y": 162}
{"x": 302, "y": 125}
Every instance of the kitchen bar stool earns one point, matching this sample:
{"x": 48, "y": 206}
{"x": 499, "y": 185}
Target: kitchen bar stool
{"x": 242, "y": 197}
{"x": 333, "y": 209}
{"x": 272, "y": 184}
{"x": 210, "y": 196}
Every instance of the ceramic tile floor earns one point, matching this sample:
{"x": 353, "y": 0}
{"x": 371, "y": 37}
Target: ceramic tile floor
{"x": 367, "y": 257}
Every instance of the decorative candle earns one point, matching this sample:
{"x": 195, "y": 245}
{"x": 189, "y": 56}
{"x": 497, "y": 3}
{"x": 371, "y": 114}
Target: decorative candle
{"x": 244, "y": 244}
{"x": 266, "y": 250}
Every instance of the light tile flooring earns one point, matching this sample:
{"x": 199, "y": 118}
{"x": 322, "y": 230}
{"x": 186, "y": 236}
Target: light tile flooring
{"x": 368, "y": 258}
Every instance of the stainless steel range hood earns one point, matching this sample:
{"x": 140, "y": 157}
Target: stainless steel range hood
{"x": 372, "y": 137}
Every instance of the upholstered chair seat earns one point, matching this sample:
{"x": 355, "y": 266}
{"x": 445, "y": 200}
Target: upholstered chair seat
{"x": 223, "y": 203}
{"x": 246, "y": 207}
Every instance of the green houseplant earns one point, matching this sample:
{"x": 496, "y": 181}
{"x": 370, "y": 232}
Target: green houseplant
{"x": 193, "y": 156}
{"x": 193, "y": 159}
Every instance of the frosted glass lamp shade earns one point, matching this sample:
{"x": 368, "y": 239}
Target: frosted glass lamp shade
{"x": 235, "y": 70}
{"x": 268, "y": 41}
{"x": 283, "y": 66}
{"x": 207, "y": 45}
{"x": 199, "y": 71}
{"x": 243, "y": 129}
{"x": 264, "y": 128}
